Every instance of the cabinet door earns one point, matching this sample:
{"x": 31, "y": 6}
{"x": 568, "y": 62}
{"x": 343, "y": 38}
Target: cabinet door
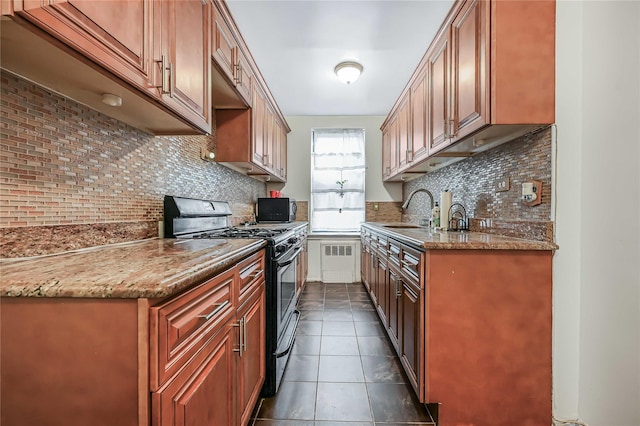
{"x": 243, "y": 77}
{"x": 202, "y": 394}
{"x": 439, "y": 110}
{"x": 184, "y": 56}
{"x": 386, "y": 152}
{"x": 116, "y": 34}
{"x": 390, "y": 149}
{"x": 395, "y": 314}
{"x": 275, "y": 165}
{"x": 469, "y": 74}
{"x": 382, "y": 280}
{"x": 258, "y": 117}
{"x": 411, "y": 332}
{"x": 251, "y": 364}
{"x": 374, "y": 279}
{"x": 404, "y": 132}
{"x": 419, "y": 119}
{"x": 224, "y": 49}
{"x": 269, "y": 141}
{"x": 364, "y": 264}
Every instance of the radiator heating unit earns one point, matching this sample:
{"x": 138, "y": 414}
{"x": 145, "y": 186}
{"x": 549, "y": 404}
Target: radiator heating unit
{"x": 338, "y": 262}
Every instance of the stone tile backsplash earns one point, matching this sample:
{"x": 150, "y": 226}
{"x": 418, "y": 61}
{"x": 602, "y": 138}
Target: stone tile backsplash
{"x": 62, "y": 164}
{"x": 472, "y": 182}
{"x": 71, "y": 177}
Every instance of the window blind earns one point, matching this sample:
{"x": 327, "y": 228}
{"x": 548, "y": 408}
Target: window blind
{"x": 337, "y": 179}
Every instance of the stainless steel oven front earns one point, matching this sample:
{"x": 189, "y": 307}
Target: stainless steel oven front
{"x": 282, "y": 322}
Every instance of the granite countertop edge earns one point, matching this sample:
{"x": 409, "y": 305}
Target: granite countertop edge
{"x": 431, "y": 239}
{"x": 29, "y": 282}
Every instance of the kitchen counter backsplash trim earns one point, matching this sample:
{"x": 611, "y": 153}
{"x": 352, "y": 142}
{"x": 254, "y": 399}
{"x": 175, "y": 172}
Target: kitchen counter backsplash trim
{"x": 430, "y": 239}
{"x": 151, "y": 268}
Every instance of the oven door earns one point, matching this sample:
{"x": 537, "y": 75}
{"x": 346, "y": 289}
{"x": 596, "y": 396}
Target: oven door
{"x": 286, "y": 288}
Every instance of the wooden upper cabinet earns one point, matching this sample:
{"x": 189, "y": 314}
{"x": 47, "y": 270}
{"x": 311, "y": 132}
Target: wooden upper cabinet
{"x": 404, "y": 132}
{"x": 224, "y": 49}
{"x": 184, "y": 60}
{"x": 118, "y": 35}
{"x": 259, "y": 125}
{"x": 243, "y": 77}
{"x": 390, "y": 148}
{"x": 419, "y": 118}
{"x": 159, "y": 48}
{"x": 469, "y": 73}
{"x": 251, "y": 131}
{"x": 439, "y": 103}
{"x": 490, "y": 78}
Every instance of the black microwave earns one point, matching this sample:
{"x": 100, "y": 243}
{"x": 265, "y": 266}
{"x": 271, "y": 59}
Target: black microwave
{"x": 276, "y": 210}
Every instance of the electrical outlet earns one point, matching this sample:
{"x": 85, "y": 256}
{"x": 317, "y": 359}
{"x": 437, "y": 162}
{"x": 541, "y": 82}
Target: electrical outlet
{"x": 376, "y": 207}
{"x": 503, "y": 184}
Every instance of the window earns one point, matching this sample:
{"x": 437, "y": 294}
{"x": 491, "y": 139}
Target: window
{"x": 337, "y": 180}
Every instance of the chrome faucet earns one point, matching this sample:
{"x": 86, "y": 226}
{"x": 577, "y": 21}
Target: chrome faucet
{"x": 406, "y": 203}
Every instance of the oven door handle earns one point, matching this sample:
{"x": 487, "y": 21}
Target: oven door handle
{"x": 290, "y": 261}
{"x": 293, "y": 336}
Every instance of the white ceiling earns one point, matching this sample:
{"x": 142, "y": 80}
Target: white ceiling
{"x": 297, "y": 44}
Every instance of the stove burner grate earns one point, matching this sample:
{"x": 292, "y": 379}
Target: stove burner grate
{"x": 241, "y": 233}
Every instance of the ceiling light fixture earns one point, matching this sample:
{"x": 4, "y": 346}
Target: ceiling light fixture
{"x": 112, "y": 100}
{"x": 348, "y": 72}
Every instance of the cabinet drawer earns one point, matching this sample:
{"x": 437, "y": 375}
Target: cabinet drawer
{"x": 383, "y": 244}
{"x": 411, "y": 264}
{"x": 251, "y": 271}
{"x": 394, "y": 253}
{"x": 181, "y": 326}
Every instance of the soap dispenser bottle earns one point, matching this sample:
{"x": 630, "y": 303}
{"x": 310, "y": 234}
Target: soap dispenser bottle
{"x": 435, "y": 216}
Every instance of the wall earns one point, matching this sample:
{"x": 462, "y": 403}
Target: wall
{"x": 72, "y": 177}
{"x": 596, "y": 272}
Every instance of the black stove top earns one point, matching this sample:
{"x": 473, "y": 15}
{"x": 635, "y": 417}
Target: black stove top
{"x": 241, "y": 233}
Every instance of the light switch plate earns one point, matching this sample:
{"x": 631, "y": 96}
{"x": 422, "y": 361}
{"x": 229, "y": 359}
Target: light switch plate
{"x": 503, "y": 184}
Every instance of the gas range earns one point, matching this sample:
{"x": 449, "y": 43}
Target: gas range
{"x": 191, "y": 218}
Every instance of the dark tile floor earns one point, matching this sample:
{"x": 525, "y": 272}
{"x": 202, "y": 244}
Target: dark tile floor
{"x": 343, "y": 370}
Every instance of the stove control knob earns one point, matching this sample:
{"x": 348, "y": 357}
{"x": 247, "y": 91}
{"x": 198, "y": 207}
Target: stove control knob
{"x": 292, "y": 240}
{"x": 280, "y": 249}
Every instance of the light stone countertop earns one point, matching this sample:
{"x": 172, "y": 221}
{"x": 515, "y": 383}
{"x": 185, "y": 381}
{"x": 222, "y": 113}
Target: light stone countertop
{"x": 150, "y": 268}
{"x": 431, "y": 239}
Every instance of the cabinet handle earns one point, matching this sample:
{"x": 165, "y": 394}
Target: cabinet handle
{"x": 445, "y": 126}
{"x": 375, "y": 261}
{"x": 256, "y": 274}
{"x": 171, "y": 79}
{"x": 238, "y": 77}
{"x": 244, "y": 327}
{"x": 265, "y": 159}
{"x": 398, "y": 290}
{"x": 218, "y": 308}
{"x": 409, "y": 156}
{"x": 451, "y": 128}
{"x": 163, "y": 75}
{"x": 241, "y": 334}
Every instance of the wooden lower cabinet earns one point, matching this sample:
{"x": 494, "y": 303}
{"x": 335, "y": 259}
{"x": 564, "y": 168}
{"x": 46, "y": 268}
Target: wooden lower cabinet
{"x": 472, "y": 331}
{"x": 202, "y": 393}
{"x": 137, "y": 362}
{"x": 394, "y": 313}
{"x": 251, "y": 360}
{"x": 411, "y": 310}
{"x": 221, "y": 383}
